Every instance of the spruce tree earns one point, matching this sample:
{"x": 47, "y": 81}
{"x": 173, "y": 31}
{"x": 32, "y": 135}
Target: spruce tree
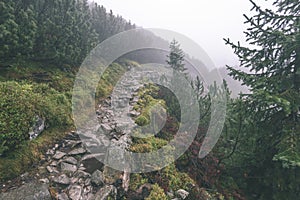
{"x": 176, "y": 57}
{"x": 273, "y": 77}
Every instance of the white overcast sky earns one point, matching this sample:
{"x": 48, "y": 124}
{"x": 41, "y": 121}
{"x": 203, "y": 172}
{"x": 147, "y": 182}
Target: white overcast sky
{"x": 206, "y": 22}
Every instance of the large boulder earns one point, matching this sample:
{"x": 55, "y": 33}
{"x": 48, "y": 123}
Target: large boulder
{"x": 31, "y": 191}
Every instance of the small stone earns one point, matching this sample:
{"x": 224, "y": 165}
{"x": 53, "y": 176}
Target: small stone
{"x": 53, "y": 163}
{"x": 106, "y": 128}
{"x": 62, "y": 179}
{"x": 106, "y": 192}
{"x": 44, "y": 180}
{"x": 182, "y": 194}
{"x": 134, "y": 113}
{"x": 74, "y": 180}
{"x": 59, "y": 155}
{"x": 24, "y": 176}
{"x": 82, "y": 168}
{"x": 62, "y": 196}
{"x": 50, "y": 152}
{"x": 88, "y": 196}
{"x": 75, "y": 192}
{"x": 97, "y": 178}
{"x": 81, "y": 174}
{"x": 71, "y": 160}
{"x": 105, "y": 120}
{"x": 49, "y": 169}
{"x": 67, "y": 168}
{"x": 77, "y": 152}
{"x": 87, "y": 182}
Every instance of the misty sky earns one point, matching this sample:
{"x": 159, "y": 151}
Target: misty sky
{"x": 206, "y": 22}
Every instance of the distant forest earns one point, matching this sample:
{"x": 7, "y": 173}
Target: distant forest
{"x": 56, "y": 31}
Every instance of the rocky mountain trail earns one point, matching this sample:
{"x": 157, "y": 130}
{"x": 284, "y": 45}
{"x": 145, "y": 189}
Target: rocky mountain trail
{"x": 74, "y": 168}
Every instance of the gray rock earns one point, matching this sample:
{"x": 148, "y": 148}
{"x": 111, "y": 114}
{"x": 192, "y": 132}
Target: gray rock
{"x": 73, "y": 143}
{"x": 75, "y": 192}
{"x": 53, "y": 164}
{"x": 67, "y": 168}
{"x": 44, "y": 180}
{"x": 81, "y": 174}
{"x": 37, "y": 128}
{"x": 106, "y": 192}
{"x": 31, "y": 191}
{"x": 74, "y": 180}
{"x": 59, "y": 155}
{"x": 62, "y": 196}
{"x": 62, "y": 179}
{"x": 88, "y": 196}
{"x": 49, "y": 169}
{"x": 97, "y": 178}
{"x": 87, "y": 182}
{"x": 134, "y": 113}
{"x": 50, "y": 152}
{"x": 77, "y": 152}
{"x": 106, "y": 127}
{"x": 70, "y": 160}
{"x": 91, "y": 162}
{"x": 182, "y": 194}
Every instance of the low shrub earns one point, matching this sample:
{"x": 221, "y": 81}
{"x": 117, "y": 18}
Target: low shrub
{"x": 20, "y": 104}
{"x": 142, "y": 120}
{"x": 157, "y": 193}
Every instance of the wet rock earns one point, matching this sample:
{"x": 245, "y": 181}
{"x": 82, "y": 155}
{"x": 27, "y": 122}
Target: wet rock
{"x": 97, "y": 178}
{"x": 88, "y": 196}
{"x": 59, "y": 155}
{"x": 75, "y": 192}
{"x": 87, "y": 182}
{"x": 53, "y": 163}
{"x": 182, "y": 194}
{"x": 50, "y": 152}
{"x": 77, "y": 152}
{"x": 31, "y": 191}
{"x": 74, "y": 180}
{"x": 49, "y": 169}
{"x": 70, "y": 160}
{"x": 81, "y": 174}
{"x": 134, "y": 113}
{"x": 44, "y": 180}
{"x": 37, "y": 128}
{"x": 73, "y": 143}
{"x": 67, "y": 168}
{"x": 106, "y": 192}
{"x": 91, "y": 162}
{"x": 62, "y": 196}
{"x": 106, "y": 127}
{"x": 62, "y": 179}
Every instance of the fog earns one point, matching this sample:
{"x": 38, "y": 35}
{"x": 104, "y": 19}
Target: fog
{"x": 205, "y": 22}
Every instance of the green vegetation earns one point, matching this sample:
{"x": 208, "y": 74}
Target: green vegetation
{"x": 258, "y": 154}
{"x": 48, "y": 97}
{"x": 59, "y": 31}
{"x": 21, "y": 103}
{"x": 157, "y": 194}
{"x": 264, "y": 125}
{"x": 29, "y": 153}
